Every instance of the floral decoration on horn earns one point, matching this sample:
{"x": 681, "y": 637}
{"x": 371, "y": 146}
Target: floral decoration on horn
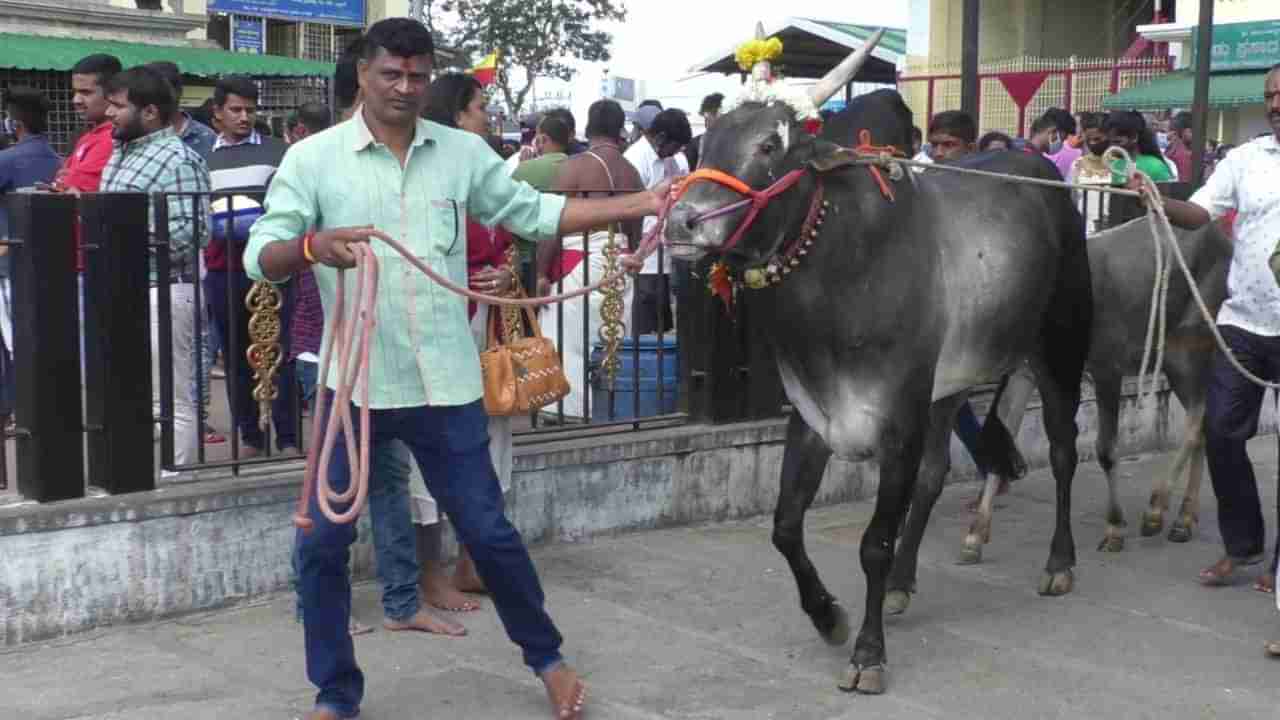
{"x": 757, "y": 57}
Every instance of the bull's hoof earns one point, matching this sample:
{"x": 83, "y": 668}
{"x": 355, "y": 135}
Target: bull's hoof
{"x": 1152, "y": 523}
{"x": 839, "y": 632}
{"x": 1181, "y": 532}
{"x": 1112, "y": 544}
{"x": 869, "y": 680}
{"x": 896, "y": 602}
{"x": 1059, "y": 583}
{"x": 971, "y": 551}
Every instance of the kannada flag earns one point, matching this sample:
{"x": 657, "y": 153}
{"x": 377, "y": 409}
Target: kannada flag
{"x": 485, "y": 71}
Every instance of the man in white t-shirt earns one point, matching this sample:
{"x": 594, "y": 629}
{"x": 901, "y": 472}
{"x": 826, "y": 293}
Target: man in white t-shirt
{"x": 1248, "y": 182}
{"x": 657, "y": 156}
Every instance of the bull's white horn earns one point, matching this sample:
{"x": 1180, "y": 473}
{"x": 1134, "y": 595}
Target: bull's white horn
{"x": 844, "y": 72}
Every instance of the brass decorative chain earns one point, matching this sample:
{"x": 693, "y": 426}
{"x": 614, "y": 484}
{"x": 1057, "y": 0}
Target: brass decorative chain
{"x": 513, "y": 317}
{"x": 611, "y": 328}
{"x": 264, "y": 354}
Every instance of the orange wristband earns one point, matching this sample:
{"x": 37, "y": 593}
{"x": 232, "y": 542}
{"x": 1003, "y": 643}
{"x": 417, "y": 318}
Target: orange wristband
{"x": 306, "y": 248}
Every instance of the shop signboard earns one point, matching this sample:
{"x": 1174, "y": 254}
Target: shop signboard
{"x": 338, "y": 12}
{"x": 248, "y": 34}
{"x": 1245, "y": 46}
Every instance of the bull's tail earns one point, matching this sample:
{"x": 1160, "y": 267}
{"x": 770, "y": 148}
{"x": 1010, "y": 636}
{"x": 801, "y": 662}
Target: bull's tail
{"x": 996, "y": 449}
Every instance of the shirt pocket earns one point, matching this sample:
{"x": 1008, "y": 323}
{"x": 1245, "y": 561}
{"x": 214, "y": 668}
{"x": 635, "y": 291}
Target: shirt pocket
{"x": 446, "y": 226}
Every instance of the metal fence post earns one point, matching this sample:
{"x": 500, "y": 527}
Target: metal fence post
{"x": 46, "y": 339}
{"x": 118, "y": 347}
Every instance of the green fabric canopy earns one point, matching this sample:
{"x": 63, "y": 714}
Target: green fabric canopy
{"x": 38, "y": 52}
{"x": 1175, "y": 90}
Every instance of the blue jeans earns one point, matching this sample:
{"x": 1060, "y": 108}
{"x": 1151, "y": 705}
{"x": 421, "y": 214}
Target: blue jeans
{"x": 451, "y": 447}
{"x": 967, "y": 429}
{"x": 394, "y": 550}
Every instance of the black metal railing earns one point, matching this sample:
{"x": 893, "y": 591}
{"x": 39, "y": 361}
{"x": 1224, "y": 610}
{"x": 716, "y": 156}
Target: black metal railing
{"x": 84, "y": 419}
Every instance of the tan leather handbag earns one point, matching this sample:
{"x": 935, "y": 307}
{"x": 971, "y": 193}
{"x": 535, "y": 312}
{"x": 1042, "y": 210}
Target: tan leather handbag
{"x": 522, "y": 374}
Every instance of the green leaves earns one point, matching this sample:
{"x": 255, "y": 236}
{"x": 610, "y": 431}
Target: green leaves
{"x": 536, "y": 36}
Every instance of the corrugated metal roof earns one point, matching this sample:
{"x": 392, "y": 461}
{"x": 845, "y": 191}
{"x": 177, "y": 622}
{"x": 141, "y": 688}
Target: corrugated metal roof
{"x": 1176, "y": 90}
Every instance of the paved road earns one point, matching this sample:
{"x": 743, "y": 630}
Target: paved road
{"x": 702, "y": 623}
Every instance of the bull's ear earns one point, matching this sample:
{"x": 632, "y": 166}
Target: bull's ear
{"x": 828, "y": 156}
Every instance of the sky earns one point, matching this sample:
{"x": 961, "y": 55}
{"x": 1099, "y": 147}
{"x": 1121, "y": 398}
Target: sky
{"x": 661, "y": 39}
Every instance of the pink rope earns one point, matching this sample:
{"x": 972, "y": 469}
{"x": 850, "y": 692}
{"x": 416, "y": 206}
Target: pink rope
{"x": 351, "y": 336}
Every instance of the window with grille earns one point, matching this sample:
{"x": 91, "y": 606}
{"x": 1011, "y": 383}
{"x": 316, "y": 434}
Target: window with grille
{"x": 65, "y": 125}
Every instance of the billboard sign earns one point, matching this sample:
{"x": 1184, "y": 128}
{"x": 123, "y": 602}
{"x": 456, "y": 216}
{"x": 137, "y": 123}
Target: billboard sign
{"x": 338, "y": 12}
{"x": 248, "y": 34}
{"x": 1244, "y": 46}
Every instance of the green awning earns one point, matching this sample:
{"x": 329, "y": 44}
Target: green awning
{"x": 1175, "y": 90}
{"x": 38, "y": 52}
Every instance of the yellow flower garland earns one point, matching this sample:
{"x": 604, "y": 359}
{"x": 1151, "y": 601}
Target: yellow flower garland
{"x": 753, "y": 51}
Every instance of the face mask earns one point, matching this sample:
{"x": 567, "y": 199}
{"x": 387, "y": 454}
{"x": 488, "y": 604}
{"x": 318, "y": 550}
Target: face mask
{"x": 1055, "y": 147}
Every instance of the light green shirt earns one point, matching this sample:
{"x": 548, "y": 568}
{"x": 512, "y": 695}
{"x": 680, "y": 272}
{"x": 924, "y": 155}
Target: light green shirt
{"x": 422, "y": 352}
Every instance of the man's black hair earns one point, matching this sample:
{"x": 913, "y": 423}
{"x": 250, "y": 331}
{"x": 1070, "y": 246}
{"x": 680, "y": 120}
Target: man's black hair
{"x": 1127, "y": 122}
{"x": 605, "y": 118}
{"x": 314, "y": 116}
{"x": 171, "y": 73}
{"x": 554, "y": 127}
{"x": 956, "y": 123}
{"x": 142, "y": 87}
{"x": 674, "y": 125}
{"x": 1042, "y": 123}
{"x": 990, "y": 138}
{"x": 449, "y": 95}
{"x": 399, "y": 36}
{"x": 711, "y": 103}
{"x": 1181, "y": 121}
{"x": 29, "y": 107}
{"x": 234, "y": 85}
{"x": 1062, "y": 120}
{"x": 646, "y": 103}
{"x": 917, "y": 135}
{"x": 101, "y": 65}
{"x": 1093, "y": 121}
{"x": 566, "y": 116}
{"x": 346, "y": 84}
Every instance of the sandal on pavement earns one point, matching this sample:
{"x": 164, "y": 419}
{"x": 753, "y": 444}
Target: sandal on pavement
{"x": 1272, "y": 648}
{"x": 1266, "y": 583}
{"x": 1222, "y": 572}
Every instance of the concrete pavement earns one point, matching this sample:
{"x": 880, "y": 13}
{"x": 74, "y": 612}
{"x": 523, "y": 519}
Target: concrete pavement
{"x": 703, "y": 623}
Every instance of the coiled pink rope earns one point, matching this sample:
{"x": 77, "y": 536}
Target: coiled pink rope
{"x": 351, "y": 336}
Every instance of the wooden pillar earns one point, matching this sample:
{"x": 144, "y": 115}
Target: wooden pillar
{"x": 1200, "y": 102}
{"x": 969, "y": 60}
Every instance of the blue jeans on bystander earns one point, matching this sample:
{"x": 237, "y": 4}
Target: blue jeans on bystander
{"x": 451, "y": 447}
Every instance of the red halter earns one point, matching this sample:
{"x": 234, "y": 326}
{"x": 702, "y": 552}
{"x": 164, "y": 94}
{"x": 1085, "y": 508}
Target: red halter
{"x": 756, "y": 199}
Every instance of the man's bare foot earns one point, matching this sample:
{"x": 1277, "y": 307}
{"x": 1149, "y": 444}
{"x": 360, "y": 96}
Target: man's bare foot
{"x": 1001, "y": 489}
{"x": 424, "y": 621}
{"x": 465, "y": 577}
{"x": 567, "y": 692}
{"x": 439, "y": 592}
{"x": 322, "y": 714}
{"x": 355, "y": 627}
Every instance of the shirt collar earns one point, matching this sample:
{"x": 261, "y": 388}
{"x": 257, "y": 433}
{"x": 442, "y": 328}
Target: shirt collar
{"x": 222, "y": 141}
{"x": 152, "y": 137}
{"x": 423, "y": 133}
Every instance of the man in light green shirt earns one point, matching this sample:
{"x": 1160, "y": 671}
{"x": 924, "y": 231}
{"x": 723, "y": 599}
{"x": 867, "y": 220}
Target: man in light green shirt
{"x": 389, "y": 170}
{"x": 541, "y": 172}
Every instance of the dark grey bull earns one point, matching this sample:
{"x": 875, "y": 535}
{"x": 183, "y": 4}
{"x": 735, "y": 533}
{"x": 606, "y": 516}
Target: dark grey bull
{"x": 898, "y": 308}
{"x": 1123, "y": 271}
